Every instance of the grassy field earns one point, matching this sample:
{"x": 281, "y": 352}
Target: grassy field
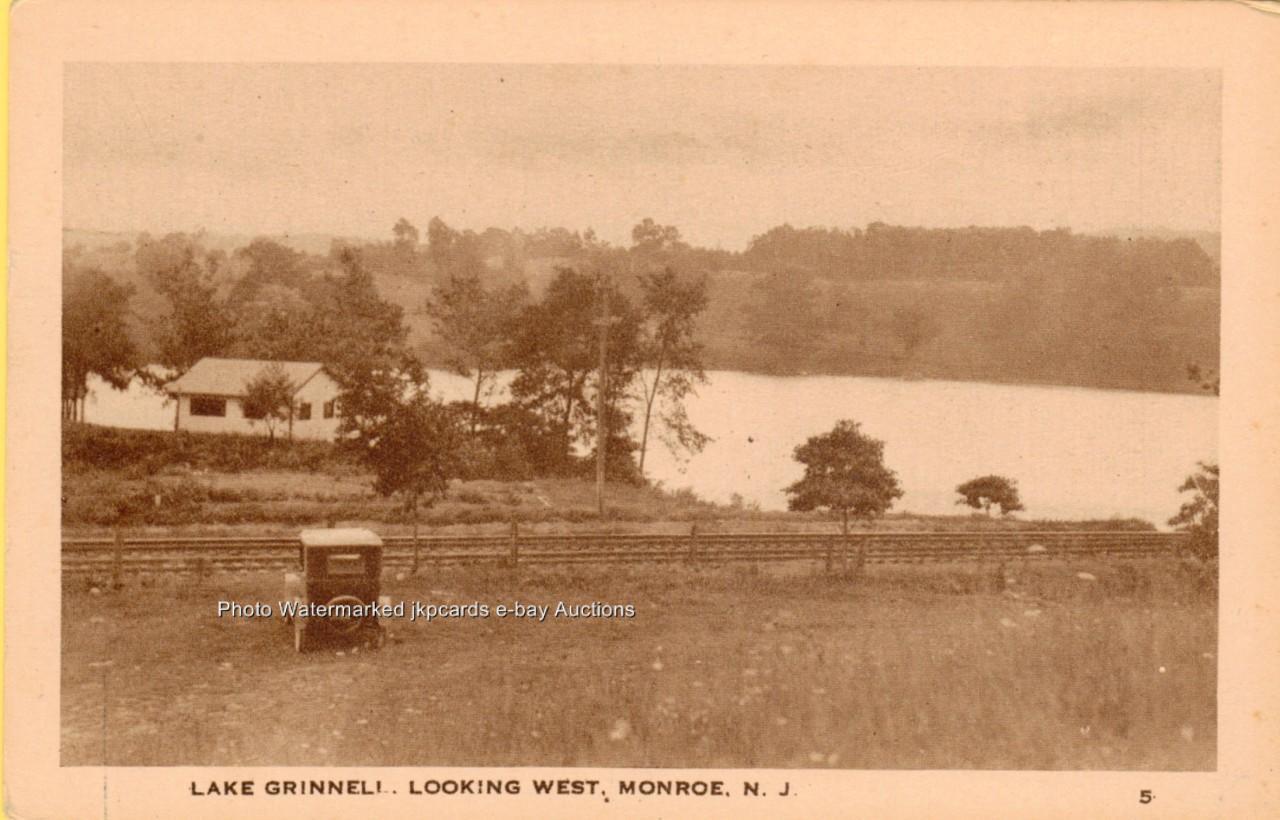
{"x": 919, "y": 667}
{"x": 281, "y": 501}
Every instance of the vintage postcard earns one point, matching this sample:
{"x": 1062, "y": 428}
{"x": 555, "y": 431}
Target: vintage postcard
{"x": 806, "y": 409}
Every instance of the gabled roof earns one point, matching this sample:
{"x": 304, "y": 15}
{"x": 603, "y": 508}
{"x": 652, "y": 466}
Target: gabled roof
{"x": 227, "y": 377}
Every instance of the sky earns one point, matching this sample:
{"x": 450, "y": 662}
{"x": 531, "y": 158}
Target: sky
{"x": 722, "y": 152}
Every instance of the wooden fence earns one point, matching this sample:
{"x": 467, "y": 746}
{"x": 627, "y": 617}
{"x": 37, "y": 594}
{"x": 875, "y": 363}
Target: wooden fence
{"x": 122, "y": 555}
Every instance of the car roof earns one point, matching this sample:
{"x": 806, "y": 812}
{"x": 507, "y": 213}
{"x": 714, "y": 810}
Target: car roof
{"x": 340, "y": 537}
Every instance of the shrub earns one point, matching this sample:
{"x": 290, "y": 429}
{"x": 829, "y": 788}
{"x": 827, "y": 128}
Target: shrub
{"x": 142, "y": 453}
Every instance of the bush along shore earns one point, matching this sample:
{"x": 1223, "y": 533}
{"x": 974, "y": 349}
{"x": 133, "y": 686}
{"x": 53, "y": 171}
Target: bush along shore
{"x": 165, "y": 481}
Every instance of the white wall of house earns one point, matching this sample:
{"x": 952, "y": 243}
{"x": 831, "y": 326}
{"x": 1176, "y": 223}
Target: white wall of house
{"x": 311, "y": 398}
{"x": 316, "y": 393}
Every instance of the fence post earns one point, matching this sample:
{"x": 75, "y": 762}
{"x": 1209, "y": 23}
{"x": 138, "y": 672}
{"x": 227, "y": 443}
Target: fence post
{"x": 414, "y": 570}
{"x": 117, "y": 560}
{"x": 693, "y": 543}
{"x": 514, "y": 560}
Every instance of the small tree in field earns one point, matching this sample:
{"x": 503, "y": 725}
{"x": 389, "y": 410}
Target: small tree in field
{"x": 844, "y": 471}
{"x": 413, "y": 450}
{"x": 990, "y": 490}
{"x": 268, "y": 398}
{"x": 1199, "y": 516}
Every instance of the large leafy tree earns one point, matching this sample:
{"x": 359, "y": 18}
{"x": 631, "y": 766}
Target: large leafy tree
{"x": 361, "y": 339}
{"x": 355, "y": 329}
{"x": 476, "y": 327}
{"x": 557, "y": 355}
{"x": 844, "y": 471}
{"x": 671, "y": 357}
{"x": 95, "y": 336}
{"x": 276, "y": 323}
{"x": 413, "y": 449}
{"x": 197, "y": 322}
{"x": 986, "y": 491}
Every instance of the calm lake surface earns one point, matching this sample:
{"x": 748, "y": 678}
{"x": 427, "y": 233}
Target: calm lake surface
{"x": 1076, "y": 452}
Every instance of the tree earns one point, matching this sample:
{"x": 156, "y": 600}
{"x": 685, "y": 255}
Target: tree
{"x": 672, "y": 359}
{"x": 655, "y": 242}
{"x": 844, "y": 472}
{"x": 556, "y": 352}
{"x": 186, "y": 275}
{"x": 268, "y": 398}
{"x": 1199, "y": 516}
{"x": 406, "y": 236}
{"x": 95, "y": 336}
{"x": 413, "y": 451}
{"x": 440, "y": 241}
{"x": 990, "y": 490}
{"x": 276, "y": 324}
{"x": 268, "y": 263}
{"x": 354, "y": 328}
{"x": 476, "y": 326}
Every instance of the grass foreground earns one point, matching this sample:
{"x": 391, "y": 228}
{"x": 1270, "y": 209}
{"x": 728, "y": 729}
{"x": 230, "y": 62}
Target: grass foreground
{"x": 921, "y": 667}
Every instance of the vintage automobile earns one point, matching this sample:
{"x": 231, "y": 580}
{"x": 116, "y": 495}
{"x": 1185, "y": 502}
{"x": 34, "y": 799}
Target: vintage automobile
{"x": 338, "y": 579}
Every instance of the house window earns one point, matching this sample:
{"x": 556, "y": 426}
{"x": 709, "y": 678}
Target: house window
{"x": 208, "y": 406}
{"x": 304, "y": 411}
{"x": 329, "y": 409}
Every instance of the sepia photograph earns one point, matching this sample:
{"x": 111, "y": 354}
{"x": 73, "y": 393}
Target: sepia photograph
{"x": 661, "y": 416}
{"x": 570, "y": 409}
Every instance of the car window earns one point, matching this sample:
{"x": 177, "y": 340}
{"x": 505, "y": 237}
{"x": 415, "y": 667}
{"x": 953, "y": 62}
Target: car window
{"x": 346, "y": 563}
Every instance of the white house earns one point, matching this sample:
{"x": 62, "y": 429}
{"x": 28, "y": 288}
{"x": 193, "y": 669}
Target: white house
{"x": 210, "y": 398}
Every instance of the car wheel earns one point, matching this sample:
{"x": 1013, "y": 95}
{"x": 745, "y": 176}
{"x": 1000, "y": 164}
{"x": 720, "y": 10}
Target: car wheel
{"x": 345, "y": 626}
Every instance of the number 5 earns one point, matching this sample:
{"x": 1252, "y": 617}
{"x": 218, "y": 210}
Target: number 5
{"x": 1145, "y": 796}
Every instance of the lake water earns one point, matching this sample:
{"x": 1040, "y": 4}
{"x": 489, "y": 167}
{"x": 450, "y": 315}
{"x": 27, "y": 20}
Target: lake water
{"x": 1076, "y": 453}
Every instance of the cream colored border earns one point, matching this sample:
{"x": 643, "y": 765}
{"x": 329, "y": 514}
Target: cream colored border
{"x": 1242, "y": 42}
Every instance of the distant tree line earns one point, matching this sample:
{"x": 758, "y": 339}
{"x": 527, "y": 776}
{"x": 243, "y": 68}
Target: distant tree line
{"x": 1002, "y": 304}
{"x": 891, "y": 252}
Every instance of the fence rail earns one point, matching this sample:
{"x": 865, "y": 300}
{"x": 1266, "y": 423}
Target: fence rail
{"x": 122, "y": 554}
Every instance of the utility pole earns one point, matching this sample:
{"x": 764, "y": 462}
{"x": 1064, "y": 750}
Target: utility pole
{"x": 602, "y": 385}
